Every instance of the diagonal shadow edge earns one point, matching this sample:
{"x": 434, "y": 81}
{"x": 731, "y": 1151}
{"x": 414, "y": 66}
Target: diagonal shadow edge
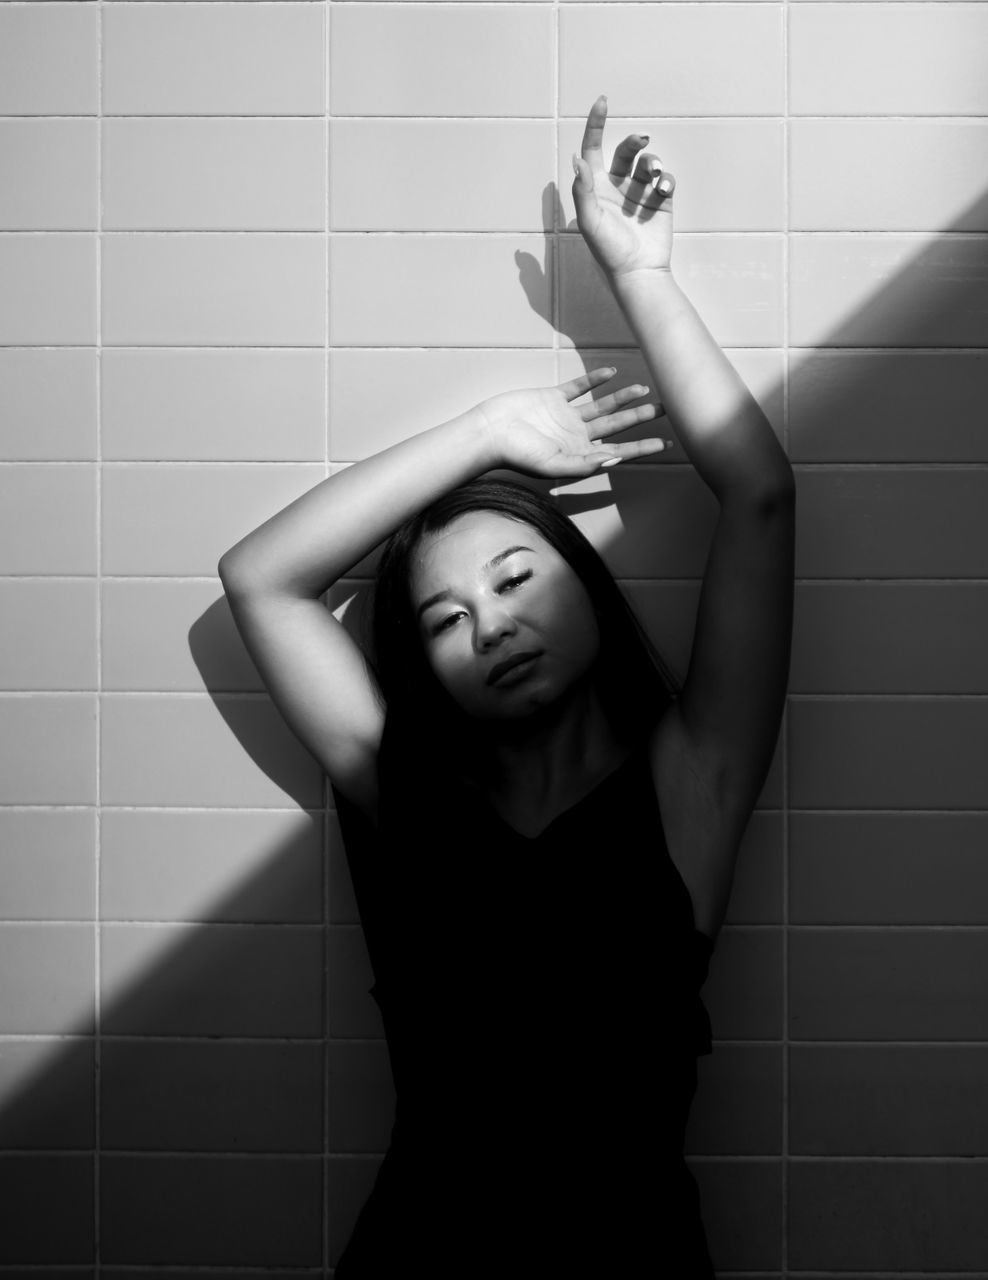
{"x": 169, "y": 984}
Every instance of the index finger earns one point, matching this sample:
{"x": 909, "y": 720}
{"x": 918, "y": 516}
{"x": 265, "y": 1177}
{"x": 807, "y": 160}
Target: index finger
{"x": 593, "y": 135}
{"x": 586, "y": 382}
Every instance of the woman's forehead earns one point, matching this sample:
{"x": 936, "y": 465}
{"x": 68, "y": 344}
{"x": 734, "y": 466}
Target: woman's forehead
{"x": 471, "y": 542}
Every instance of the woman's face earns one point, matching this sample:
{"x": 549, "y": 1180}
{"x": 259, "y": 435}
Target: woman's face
{"x": 506, "y": 624}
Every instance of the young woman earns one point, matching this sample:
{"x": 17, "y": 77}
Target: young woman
{"x": 542, "y": 830}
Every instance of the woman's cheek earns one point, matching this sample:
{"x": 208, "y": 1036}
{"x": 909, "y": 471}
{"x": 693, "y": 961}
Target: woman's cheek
{"x": 450, "y": 667}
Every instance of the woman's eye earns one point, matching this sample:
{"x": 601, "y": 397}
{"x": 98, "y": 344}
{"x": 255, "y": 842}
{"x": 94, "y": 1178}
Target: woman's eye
{"x": 516, "y": 581}
{"x": 444, "y": 624}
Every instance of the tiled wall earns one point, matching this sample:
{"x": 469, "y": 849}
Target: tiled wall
{"x": 243, "y": 242}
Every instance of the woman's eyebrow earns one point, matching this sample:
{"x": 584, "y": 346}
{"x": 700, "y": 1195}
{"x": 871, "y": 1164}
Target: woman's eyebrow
{"x": 436, "y": 599}
{"x": 503, "y": 555}
{"x": 440, "y": 596}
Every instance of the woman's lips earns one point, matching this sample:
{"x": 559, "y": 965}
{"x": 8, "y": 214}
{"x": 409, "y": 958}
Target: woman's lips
{"x": 512, "y": 669}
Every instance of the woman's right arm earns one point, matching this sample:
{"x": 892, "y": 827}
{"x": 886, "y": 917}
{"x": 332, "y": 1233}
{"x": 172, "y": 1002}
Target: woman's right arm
{"x": 274, "y": 578}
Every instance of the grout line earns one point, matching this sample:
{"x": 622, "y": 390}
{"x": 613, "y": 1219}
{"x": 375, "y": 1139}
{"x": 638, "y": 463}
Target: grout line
{"x": 890, "y": 697}
{"x": 207, "y": 117}
{"x": 98, "y": 940}
{"x": 885, "y": 926}
{"x": 725, "y": 1157}
{"x": 786, "y": 334}
{"x": 216, "y": 1042}
{"x": 758, "y": 1158}
{"x": 84, "y": 1270}
{"x": 354, "y": 580}
{"x": 208, "y": 922}
{"x": 134, "y": 1153}
{"x": 800, "y": 467}
{"x": 934, "y": 1045}
{"x": 602, "y": 348}
{"x": 911, "y": 812}
{"x": 934, "y": 236}
{"x": 327, "y": 795}
{"x": 931, "y": 237}
{"x": 351, "y": 926}
{"x": 622, "y": 347}
{"x": 293, "y": 810}
{"x": 553, "y": 248}
{"x": 250, "y": 695}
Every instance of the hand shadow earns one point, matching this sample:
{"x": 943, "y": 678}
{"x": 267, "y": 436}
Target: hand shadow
{"x": 619, "y": 508}
{"x": 542, "y": 281}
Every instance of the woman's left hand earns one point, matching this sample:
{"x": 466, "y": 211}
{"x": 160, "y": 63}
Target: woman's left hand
{"x": 540, "y": 432}
{"x": 624, "y": 213}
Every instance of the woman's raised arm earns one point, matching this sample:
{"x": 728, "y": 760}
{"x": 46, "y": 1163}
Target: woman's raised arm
{"x": 274, "y": 577}
{"x": 734, "y": 691}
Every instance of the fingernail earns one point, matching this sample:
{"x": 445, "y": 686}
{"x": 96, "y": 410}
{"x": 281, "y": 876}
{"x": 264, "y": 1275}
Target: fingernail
{"x": 576, "y": 167}
{"x": 644, "y": 137}
{"x": 665, "y": 186}
{"x": 611, "y": 462}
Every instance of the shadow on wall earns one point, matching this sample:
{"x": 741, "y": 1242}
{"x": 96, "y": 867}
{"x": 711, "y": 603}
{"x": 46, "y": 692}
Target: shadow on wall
{"x": 267, "y": 979}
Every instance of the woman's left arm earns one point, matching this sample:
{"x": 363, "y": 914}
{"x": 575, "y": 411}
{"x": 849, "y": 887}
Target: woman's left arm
{"x": 734, "y": 693}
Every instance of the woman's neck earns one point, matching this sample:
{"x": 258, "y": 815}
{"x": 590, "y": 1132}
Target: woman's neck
{"x": 541, "y": 761}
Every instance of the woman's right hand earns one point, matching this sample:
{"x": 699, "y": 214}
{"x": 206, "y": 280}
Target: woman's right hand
{"x": 625, "y": 212}
{"x": 540, "y": 432}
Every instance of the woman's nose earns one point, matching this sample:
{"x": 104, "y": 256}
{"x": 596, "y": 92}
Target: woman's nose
{"x": 493, "y": 624}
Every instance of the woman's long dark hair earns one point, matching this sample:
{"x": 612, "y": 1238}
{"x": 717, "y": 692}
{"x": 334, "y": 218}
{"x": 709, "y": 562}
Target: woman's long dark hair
{"x": 635, "y": 684}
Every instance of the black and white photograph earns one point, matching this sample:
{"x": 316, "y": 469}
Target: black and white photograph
{"x": 493, "y": 639}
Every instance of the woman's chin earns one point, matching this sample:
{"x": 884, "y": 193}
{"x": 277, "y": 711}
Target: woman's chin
{"x": 539, "y": 708}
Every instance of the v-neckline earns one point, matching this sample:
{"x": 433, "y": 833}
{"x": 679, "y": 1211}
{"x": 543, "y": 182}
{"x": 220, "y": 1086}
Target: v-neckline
{"x": 563, "y": 813}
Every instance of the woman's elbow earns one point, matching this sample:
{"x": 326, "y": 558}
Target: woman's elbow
{"x": 232, "y": 570}
{"x": 777, "y": 492}
{"x": 767, "y": 497}
{"x": 783, "y": 492}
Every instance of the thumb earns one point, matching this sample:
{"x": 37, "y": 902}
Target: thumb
{"x": 581, "y": 465}
{"x": 583, "y": 192}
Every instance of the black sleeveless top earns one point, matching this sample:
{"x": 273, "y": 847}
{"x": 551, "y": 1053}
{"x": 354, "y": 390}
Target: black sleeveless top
{"x": 541, "y": 1002}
